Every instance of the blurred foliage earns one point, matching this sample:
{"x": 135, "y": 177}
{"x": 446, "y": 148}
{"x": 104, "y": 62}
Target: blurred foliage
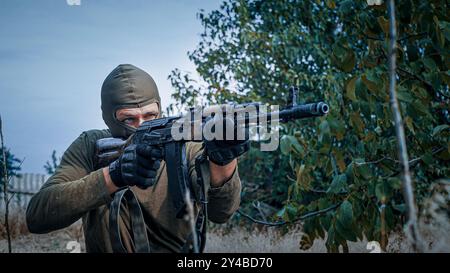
{"x": 12, "y": 166}
{"x": 334, "y": 51}
{"x": 50, "y": 166}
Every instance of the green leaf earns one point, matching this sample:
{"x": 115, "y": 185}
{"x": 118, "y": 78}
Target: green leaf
{"x": 384, "y": 24}
{"x": 281, "y": 212}
{"x": 395, "y": 183}
{"x": 285, "y": 144}
{"x": 289, "y": 143}
{"x": 420, "y": 107}
{"x": 429, "y": 63}
{"x": 303, "y": 180}
{"x": 338, "y": 184}
{"x": 345, "y": 214}
{"x": 427, "y": 158}
{"x": 439, "y": 129}
{"x": 357, "y": 122}
{"x": 404, "y": 95}
{"x": 383, "y": 191}
{"x": 296, "y": 145}
{"x": 370, "y": 84}
{"x": 324, "y": 203}
{"x": 410, "y": 125}
{"x": 345, "y": 6}
{"x": 291, "y": 212}
{"x": 330, "y": 243}
{"x": 363, "y": 171}
{"x": 331, "y": 4}
{"x": 349, "y": 62}
{"x": 345, "y": 232}
{"x": 343, "y": 57}
{"x": 324, "y": 129}
{"x": 400, "y": 207}
{"x": 325, "y": 220}
{"x": 350, "y": 88}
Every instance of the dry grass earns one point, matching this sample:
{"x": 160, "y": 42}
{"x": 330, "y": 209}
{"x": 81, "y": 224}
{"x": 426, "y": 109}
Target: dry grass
{"x": 236, "y": 240}
{"x": 434, "y": 226}
{"x": 271, "y": 240}
{"x": 17, "y": 224}
{"x": 25, "y": 242}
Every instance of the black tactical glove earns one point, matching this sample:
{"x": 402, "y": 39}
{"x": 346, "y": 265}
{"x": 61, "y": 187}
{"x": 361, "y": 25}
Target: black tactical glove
{"x": 222, "y": 152}
{"x": 136, "y": 166}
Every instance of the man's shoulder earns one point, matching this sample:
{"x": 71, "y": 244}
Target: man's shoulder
{"x": 88, "y": 138}
{"x": 81, "y": 151}
{"x": 96, "y": 134}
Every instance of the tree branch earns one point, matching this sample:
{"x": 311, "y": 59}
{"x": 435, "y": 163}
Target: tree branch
{"x": 427, "y": 84}
{"x": 11, "y": 197}
{"x": 301, "y": 218}
{"x": 411, "y": 226}
{"x": 413, "y": 36}
{"x": 373, "y": 38}
{"x": 412, "y": 161}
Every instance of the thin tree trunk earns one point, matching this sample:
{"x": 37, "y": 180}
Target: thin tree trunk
{"x": 408, "y": 189}
{"x": 5, "y": 188}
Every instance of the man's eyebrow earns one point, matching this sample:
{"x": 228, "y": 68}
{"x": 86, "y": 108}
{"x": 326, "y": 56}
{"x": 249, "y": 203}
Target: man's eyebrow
{"x": 151, "y": 112}
{"x": 126, "y": 114}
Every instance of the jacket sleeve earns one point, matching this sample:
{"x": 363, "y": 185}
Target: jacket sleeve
{"x": 223, "y": 201}
{"x": 70, "y": 192}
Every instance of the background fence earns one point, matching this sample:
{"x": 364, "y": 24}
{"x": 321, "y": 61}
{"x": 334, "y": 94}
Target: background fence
{"x": 23, "y": 188}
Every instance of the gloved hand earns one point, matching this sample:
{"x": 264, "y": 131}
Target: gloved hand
{"x": 222, "y": 152}
{"x": 136, "y": 166}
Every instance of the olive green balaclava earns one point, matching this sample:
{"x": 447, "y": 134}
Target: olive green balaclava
{"x": 127, "y": 86}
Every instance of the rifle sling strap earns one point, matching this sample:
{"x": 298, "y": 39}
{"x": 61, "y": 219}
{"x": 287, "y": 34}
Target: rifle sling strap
{"x": 138, "y": 228}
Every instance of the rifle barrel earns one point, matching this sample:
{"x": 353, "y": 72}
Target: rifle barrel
{"x": 295, "y": 112}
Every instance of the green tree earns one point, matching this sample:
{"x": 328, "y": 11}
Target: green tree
{"x": 335, "y": 51}
{"x": 50, "y": 166}
{"x": 12, "y": 166}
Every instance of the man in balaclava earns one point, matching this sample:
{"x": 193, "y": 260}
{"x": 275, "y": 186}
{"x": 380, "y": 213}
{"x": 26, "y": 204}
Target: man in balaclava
{"x": 126, "y": 87}
{"x": 83, "y": 188}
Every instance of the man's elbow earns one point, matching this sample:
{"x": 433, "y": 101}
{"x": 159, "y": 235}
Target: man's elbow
{"x": 34, "y": 227}
{"x": 33, "y": 219}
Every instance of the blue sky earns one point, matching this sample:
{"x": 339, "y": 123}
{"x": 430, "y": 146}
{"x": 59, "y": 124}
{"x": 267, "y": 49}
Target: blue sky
{"x": 54, "y": 58}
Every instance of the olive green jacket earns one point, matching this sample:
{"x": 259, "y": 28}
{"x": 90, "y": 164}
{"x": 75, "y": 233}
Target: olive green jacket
{"x": 77, "y": 190}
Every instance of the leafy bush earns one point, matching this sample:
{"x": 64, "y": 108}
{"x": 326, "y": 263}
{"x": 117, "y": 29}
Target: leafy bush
{"x": 334, "y": 51}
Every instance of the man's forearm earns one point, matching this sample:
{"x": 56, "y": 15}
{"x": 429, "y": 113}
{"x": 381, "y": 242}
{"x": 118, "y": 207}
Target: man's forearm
{"x": 58, "y": 204}
{"x": 108, "y": 181}
{"x": 221, "y": 174}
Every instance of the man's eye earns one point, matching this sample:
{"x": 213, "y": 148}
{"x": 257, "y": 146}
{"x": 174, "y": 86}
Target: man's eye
{"x": 128, "y": 121}
{"x": 150, "y": 117}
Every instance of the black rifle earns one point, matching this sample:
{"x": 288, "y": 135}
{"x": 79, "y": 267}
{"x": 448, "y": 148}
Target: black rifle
{"x": 158, "y": 132}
